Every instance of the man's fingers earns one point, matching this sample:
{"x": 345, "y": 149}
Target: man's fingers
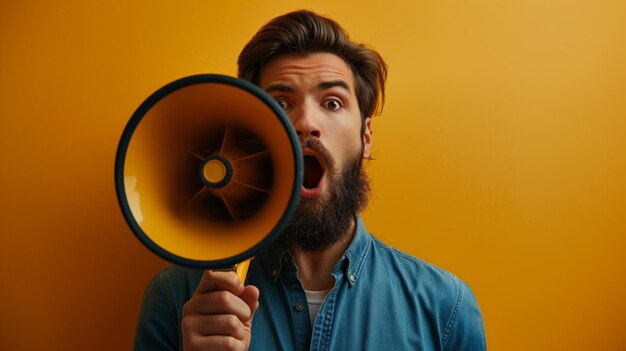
{"x": 218, "y": 302}
{"x": 218, "y": 324}
{"x": 219, "y": 314}
{"x": 250, "y": 295}
{"x": 219, "y": 280}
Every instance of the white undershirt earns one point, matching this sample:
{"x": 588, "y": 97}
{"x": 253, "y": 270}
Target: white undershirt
{"x": 314, "y": 300}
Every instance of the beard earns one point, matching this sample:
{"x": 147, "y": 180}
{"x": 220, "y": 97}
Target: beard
{"x": 319, "y": 223}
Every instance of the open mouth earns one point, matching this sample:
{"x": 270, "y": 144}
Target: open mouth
{"x": 313, "y": 172}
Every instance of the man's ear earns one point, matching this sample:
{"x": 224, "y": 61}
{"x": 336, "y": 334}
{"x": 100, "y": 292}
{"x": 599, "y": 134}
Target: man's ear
{"x": 367, "y": 137}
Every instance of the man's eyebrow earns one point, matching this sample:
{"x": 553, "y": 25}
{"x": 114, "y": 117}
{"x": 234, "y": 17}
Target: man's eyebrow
{"x": 279, "y": 87}
{"x": 333, "y": 83}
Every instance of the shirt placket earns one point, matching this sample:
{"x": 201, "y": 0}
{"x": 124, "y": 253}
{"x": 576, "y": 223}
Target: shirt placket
{"x": 299, "y": 310}
{"x": 320, "y": 339}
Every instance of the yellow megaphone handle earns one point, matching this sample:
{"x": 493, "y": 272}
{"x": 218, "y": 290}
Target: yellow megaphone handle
{"x": 242, "y": 269}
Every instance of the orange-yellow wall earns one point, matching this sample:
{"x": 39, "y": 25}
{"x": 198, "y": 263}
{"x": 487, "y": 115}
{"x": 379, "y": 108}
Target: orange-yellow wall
{"x": 501, "y": 155}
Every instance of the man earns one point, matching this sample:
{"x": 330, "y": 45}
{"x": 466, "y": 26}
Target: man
{"x": 326, "y": 284}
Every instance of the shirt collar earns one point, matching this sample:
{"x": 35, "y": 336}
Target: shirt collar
{"x": 354, "y": 258}
{"x": 273, "y": 259}
{"x": 350, "y": 263}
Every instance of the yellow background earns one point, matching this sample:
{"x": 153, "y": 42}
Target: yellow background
{"x": 500, "y": 156}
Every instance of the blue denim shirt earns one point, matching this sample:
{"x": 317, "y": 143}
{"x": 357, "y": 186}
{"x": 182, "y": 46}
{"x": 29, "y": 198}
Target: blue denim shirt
{"x": 383, "y": 299}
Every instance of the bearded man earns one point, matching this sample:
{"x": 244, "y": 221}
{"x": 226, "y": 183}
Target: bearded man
{"x": 326, "y": 283}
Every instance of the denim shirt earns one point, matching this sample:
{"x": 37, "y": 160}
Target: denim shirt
{"x": 383, "y": 299}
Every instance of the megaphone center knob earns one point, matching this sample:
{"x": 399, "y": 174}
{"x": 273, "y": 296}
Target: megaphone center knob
{"x": 216, "y": 171}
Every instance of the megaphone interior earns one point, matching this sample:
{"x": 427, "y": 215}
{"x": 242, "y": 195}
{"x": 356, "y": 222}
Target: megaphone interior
{"x": 208, "y": 171}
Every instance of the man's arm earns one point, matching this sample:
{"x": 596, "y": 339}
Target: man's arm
{"x": 465, "y": 329}
{"x": 157, "y": 327}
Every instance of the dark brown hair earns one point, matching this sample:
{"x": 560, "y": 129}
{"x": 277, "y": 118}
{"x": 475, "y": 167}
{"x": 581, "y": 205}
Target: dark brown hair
{"x": 304, "y": 32}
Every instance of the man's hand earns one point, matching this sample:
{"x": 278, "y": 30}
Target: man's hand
{"x": 219, "y": 314}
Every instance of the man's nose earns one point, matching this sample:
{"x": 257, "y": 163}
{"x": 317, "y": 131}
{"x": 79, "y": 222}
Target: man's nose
{"x": 306, "y": 122}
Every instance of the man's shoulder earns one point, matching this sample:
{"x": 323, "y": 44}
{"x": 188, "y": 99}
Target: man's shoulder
{"x": 384, "y": 260}
{"x": 440, "y": 294}
{"x": 416, "y": 272}
{"x": 404, "y": 260}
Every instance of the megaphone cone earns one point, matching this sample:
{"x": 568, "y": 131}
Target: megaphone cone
{"x": 208, "y": 171}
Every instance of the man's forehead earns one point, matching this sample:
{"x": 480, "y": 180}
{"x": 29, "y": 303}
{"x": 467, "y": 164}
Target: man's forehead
{"x": 319, "y": 69}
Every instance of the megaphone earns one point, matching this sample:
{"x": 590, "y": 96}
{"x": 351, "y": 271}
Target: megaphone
{"x": 208, "y": 171}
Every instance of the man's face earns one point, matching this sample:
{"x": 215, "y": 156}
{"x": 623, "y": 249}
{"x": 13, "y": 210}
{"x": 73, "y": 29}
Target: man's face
{"x": 317, "y": 92}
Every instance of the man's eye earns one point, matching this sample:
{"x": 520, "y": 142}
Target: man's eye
{"x": 332, "y": 104}
{"x": 282, "y": 103}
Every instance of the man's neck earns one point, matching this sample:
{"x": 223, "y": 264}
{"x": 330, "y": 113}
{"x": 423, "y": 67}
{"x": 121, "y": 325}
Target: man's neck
{"x": 314, "y": 267}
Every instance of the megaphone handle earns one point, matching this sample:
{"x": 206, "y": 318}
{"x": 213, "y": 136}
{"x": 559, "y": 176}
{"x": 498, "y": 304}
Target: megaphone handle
{"x": 242, "y": 269}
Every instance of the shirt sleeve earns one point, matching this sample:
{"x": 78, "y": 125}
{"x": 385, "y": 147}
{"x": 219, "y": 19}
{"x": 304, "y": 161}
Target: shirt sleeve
{"x": 157, "y": 327}
{"x": 465, "y": 329}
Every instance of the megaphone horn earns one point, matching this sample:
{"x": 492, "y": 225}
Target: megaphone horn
{"x": 208, "y": 171}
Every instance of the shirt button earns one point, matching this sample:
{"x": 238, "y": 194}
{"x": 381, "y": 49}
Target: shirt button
{"x": 299, "y": 307}
{"x": 274, "y": 273}
{"x": 352, "y": 278}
